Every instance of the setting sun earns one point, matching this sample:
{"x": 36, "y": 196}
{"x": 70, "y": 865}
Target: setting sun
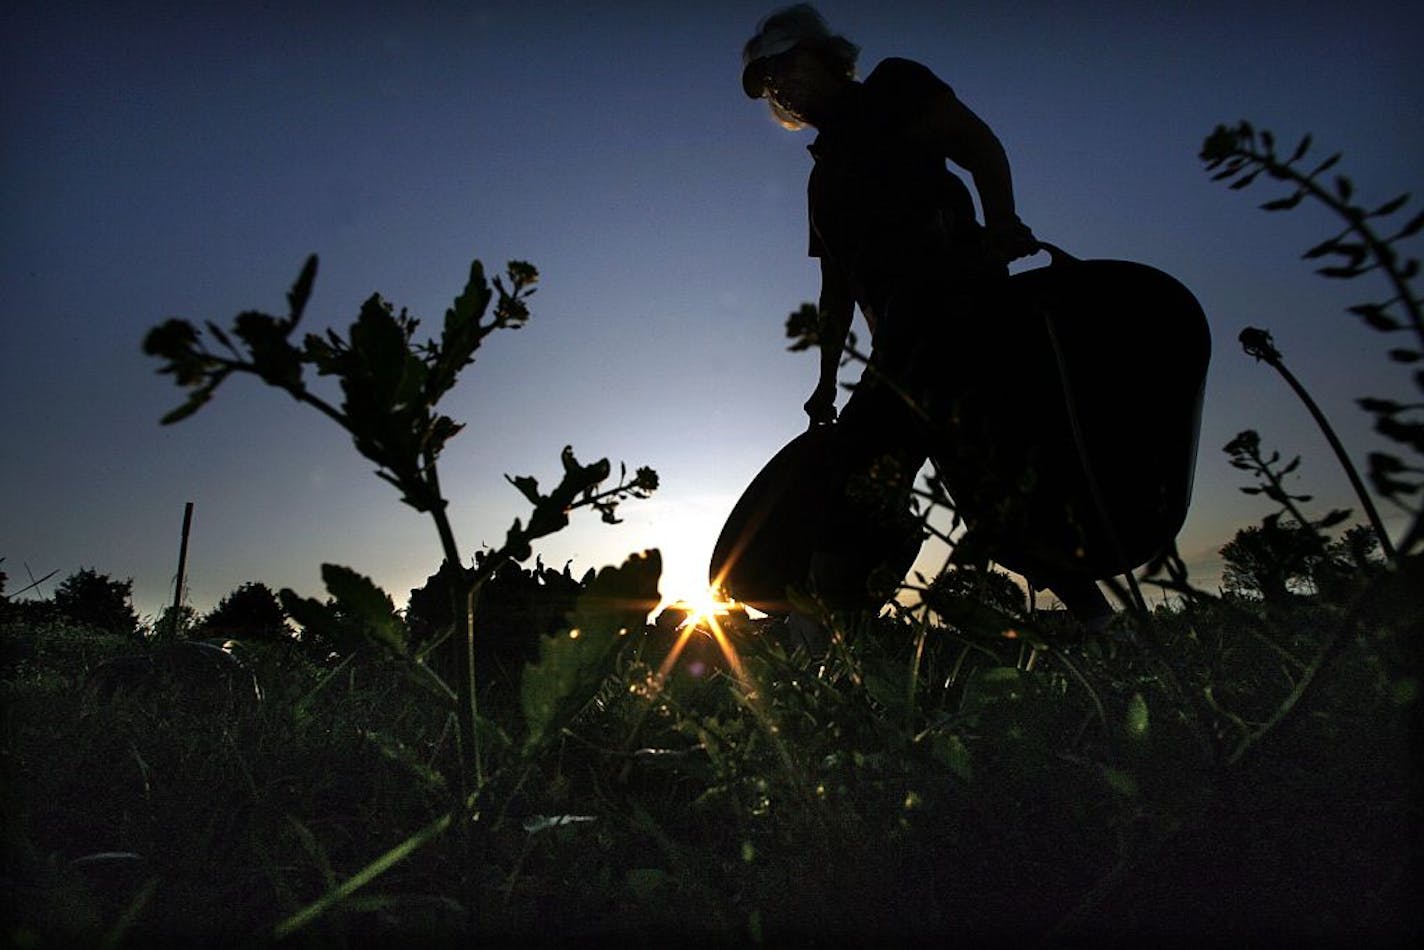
{"x": 705, "y": 606}
{"x": 704, "y": 613}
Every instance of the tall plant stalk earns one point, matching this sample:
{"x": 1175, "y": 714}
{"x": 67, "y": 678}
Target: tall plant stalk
{"x": 1240, "y": 154}
{"x": 1258, "y": 343}
{"x": 391, "y": 385}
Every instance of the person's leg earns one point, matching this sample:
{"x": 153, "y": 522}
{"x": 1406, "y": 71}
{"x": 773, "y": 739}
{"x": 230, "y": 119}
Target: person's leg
{"x": 878, "y": 451}
{"x": 1084, "y": 600}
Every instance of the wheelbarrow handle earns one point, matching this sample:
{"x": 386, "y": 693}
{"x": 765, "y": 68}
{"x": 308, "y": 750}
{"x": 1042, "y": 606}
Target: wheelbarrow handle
{"x": 1057, "y": 256}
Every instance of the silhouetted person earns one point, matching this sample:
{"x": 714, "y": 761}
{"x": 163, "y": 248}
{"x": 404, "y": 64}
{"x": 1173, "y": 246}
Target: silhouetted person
{"x": 896, "y": 233}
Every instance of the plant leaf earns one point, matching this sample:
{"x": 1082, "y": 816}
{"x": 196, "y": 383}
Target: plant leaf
{"x": 1374, "y": 315}
{"x": 317, "y": 620}
{"x": 1326, "y": 165}
{"x": 1390, "y": 207}
{"x": 1415, "y": 224}
{"x": 528, "y": 486}
{"x": 1245, "y": 180}
{"x": 300, "y": 292}
{"x": 1137, "y": 719}
{"x": 195, "y": 402}
{"x": 358, "y": 597}
{"x": 1283, "y": 204}
{"x": 1337, "y": 516}
{"x": 573, "y": 663}
{"x": 470, "y": 305}
{"x": 1339, "y": 272}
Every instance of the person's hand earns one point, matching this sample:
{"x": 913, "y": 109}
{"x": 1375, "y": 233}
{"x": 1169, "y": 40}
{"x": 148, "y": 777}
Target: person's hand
{"x": 821, "y": 407}
{"x": 1010, "y": 239}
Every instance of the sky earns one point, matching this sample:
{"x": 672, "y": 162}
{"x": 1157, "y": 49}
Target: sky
{"x": 182, "y": 159}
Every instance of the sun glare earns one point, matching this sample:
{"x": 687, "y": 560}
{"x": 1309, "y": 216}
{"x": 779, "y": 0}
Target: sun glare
{"x": 704, "y": 611}
{"x": 703, "y": 607}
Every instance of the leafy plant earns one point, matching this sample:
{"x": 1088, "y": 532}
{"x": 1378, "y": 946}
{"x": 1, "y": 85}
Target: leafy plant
{"x": 251, "y": 610}
{"x": 180, "y": 623}
{"x": 518, "y": 606}
{"x": 573, "y": 665}
{"x": 391, "y": 385}
{"x": 1265, "y": 560}
{"x": 1246, "y": 455}
{"x": 1258, "y": 343}
{"x": 89, "y": 597}
{"x": 1370, "y": 243}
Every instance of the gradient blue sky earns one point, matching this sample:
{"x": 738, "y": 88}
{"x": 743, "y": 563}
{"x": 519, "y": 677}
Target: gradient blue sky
{"x": 183, "y": 159}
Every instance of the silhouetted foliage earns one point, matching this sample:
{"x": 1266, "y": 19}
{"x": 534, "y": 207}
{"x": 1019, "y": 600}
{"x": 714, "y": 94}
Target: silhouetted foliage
{"x": 1270, "y": 560}
{"x": 390, "y": 385}
{"x": 251, "y": 611}
{"x": 516, "y": 607}
{"x": 1246, "y": 455}
{"x": 1288, "y": 548}
{"x": 1370, "y": 243}
{"x": 977, "y": 585}
{"x": 1258, "y": 343}
{"x": 358, "y": 619}
{"x": 99, "y": 601}
{"x": 1349, "y": 563}
{"x": 181, "y": 623}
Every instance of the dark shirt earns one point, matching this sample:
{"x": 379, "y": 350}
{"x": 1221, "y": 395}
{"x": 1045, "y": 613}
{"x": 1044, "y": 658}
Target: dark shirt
{"x": 883, "y": 207}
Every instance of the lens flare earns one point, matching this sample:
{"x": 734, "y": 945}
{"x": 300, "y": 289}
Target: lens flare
{"x": 703, "y": 608}
{"x": 705, "y": 612}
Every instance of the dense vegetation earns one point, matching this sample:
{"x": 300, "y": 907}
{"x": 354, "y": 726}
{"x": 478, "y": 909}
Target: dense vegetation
{"x": 520, "y": 754}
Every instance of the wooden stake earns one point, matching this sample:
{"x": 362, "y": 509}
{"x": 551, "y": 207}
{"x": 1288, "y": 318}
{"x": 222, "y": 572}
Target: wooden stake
{"x": 182, "y": 569}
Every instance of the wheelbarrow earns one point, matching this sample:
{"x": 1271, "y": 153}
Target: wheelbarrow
{"x": 1070, "y": 457}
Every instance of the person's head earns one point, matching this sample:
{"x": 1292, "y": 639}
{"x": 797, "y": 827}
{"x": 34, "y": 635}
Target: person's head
{"x": 797, "y": 64}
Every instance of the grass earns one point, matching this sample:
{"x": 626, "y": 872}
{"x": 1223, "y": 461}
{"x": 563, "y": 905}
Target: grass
{"x": 917, "y": 780}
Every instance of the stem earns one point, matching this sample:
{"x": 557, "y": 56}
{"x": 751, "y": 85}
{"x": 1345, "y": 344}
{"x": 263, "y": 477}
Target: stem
{"x": 915, "y": 675}
{"x": 462, "y": 600}
{"x": 1062, "y": 657}
{"x": 1275, "y": 485}
{"x": 361, "y": 878}
{"x": 322, "y": 406}
{"x": 1331, "y": 647}
{"x": 1340, "y": 454}
{"x": 298, "y": 392}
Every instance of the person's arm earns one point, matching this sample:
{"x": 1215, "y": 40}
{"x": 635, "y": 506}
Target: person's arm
{"x": 967, "y": 140}
{"x": 837, "y": 308}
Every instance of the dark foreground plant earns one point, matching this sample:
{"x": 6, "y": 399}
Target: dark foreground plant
{"x": 1370, "y": 243}
{"x": 391, "y": 384}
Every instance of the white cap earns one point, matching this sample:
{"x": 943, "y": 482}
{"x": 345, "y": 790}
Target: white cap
{"x": 783, "y": 30}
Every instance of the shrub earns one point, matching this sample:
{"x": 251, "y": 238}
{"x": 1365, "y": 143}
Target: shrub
{"x": 88, "y": 597}
{"x": 251, "y": 611}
